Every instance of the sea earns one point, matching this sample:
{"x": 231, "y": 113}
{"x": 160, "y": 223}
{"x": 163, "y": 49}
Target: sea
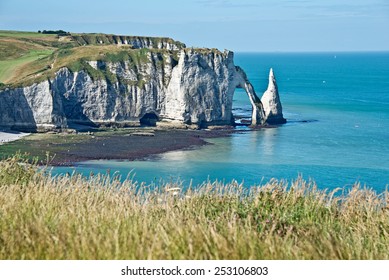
{"x": 337, "y": 131}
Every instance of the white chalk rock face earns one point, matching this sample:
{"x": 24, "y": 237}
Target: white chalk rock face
{"x": 271, "y": 102}
{"x": 31, "y": 108}
{"x": 201, "y": 89}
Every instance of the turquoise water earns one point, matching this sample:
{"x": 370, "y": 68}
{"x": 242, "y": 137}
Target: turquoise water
{"x": 344, "y": 97}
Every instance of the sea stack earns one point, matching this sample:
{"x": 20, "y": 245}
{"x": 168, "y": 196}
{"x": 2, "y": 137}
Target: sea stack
{"x": 272, "y": 103}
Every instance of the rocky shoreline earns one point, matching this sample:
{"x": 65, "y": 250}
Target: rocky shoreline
{"x": 135, "y": 145}
{"x": 66, "y": 149}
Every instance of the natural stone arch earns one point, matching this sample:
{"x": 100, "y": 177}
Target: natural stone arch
{"x": 258, "y": 114}
{"x": 268, "y": 109}
{"x": 201, "y": 88}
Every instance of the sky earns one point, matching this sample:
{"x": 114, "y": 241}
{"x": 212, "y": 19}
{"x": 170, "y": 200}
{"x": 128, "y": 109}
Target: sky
{"x": 238, "y": 25}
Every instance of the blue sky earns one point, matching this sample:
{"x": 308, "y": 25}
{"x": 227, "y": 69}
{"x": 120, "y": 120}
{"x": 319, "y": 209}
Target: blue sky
{"x": 245, "y": 25}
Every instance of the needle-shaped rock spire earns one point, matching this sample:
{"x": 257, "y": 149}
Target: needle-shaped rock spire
{"x": 272, "y": 103}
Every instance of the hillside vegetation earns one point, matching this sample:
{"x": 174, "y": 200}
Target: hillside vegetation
{"x": 28, "y": 57}
{"x": 103, "y": 218}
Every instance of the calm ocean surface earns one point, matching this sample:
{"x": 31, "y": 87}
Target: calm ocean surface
{"x": 345, "y": 98}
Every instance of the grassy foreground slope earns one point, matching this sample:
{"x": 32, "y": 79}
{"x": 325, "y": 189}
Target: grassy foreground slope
{"x": 101, "y": 218}
{"x": 28, "y": 57}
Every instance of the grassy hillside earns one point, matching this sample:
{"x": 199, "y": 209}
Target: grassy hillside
{"x": 28, "y": 57}
{"x": 101, "y": 218}
{"x": 18, "y": 49}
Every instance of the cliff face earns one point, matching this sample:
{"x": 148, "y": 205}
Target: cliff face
{"x": 191, "y": 86}
{"x": 202, "y": 87}
{"x": 31, "y": 107}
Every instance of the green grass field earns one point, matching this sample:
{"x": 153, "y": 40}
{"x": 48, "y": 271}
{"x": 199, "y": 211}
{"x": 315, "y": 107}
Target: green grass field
{"x": 101, "y": 218}
{"x": 18, "y": 49}
{"x": 24, "y": 34}
{"x": 9, "y": 68}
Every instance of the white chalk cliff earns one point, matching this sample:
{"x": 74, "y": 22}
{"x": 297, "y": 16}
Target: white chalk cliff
{"x": 187, "y": 87}
{"x": 271, "y": 102}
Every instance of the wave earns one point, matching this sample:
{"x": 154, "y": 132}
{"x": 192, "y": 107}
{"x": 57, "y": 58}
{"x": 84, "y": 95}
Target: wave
{"x": 367, "y": 101}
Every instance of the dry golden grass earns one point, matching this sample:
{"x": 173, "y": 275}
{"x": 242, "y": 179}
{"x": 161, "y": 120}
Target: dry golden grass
{"x": 101, "y": 218}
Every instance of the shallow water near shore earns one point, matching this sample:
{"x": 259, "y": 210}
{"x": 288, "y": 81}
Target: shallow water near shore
{"x": 337, "y": 106}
